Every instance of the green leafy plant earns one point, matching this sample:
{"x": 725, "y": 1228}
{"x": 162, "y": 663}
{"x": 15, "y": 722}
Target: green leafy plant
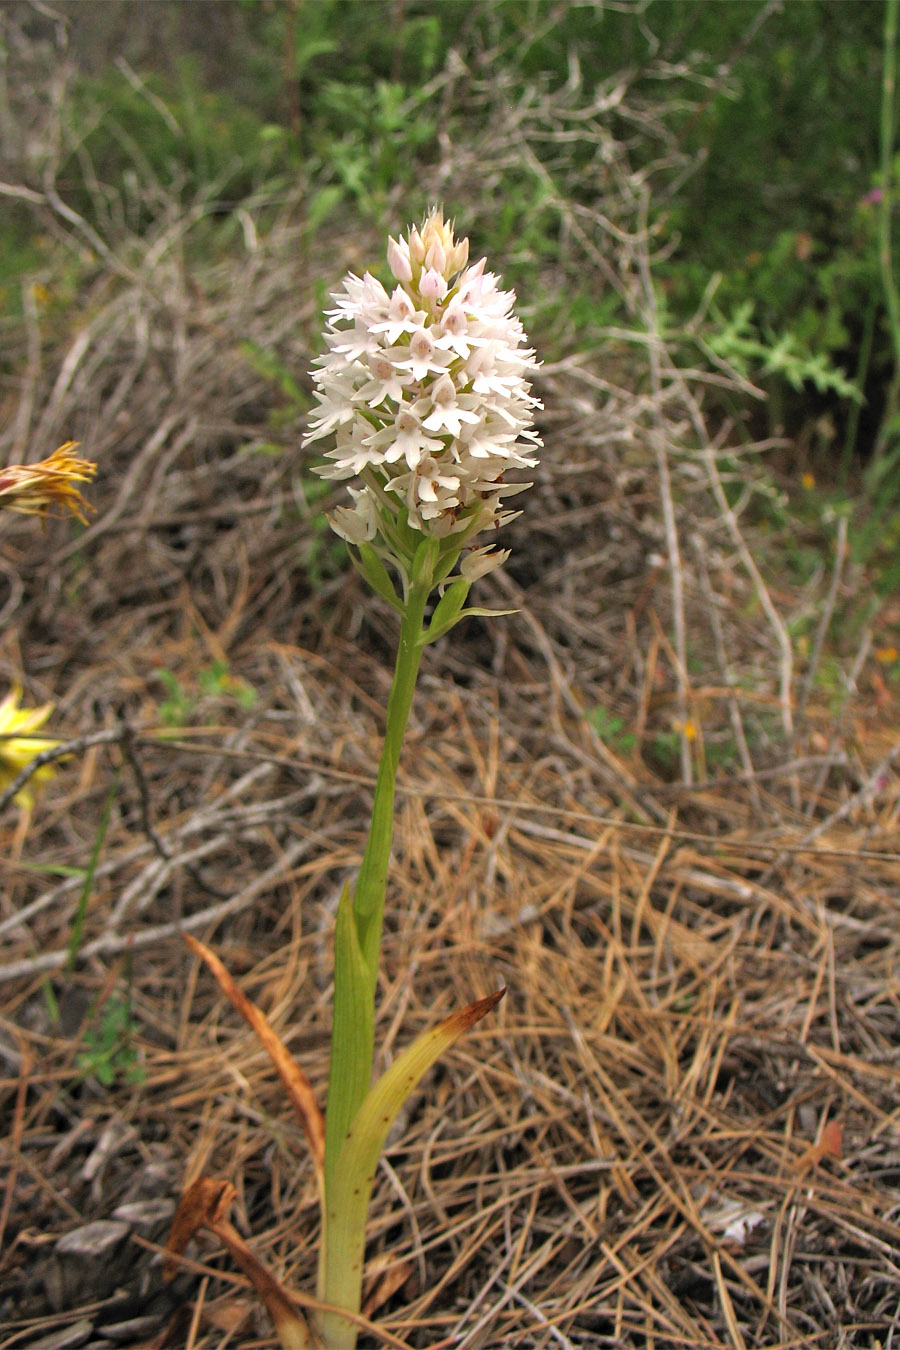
{"x": 214, "y": 681}
{"x": 756, "y": 352}
{"x": 663, "y": 750}
{"x": 178, "y": 708}
{"x": 611, "y": 730}
{"x": 107, "y": 1051}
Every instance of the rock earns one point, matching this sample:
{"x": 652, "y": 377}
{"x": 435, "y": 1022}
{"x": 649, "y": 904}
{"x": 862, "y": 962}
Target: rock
{"x": 87, "y": 1264}
{"x": 147, "y": 1217}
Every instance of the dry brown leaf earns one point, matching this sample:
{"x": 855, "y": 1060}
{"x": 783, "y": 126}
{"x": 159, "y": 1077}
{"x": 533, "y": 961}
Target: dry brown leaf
{"x": 385, "y": 1285}
{"x": 205, "y": 1204}
{"x": 828, "y": 1145}
{"x": 289, "y": 1322}
{"x": 296, "y": 1084}
{"x": 201, "y": 1204}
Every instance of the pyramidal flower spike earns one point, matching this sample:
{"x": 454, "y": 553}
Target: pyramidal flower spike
{"x": 425, "y": 391}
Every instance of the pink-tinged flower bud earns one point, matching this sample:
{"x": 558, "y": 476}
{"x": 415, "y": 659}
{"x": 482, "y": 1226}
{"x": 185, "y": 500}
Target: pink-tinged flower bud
{"x": 416, "y": 247}
{"x": 435, "y": 257}
{"x": 398, "y": 260}
{"x": 433, "y": 285}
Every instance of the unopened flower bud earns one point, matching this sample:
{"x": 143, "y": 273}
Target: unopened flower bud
{"x": 398, "y": 260}
{"x": 459, "y": 256}
{"x": 416, "y": 247}
{"x": 435, "y": 257}
{"x": 433, "y": 284}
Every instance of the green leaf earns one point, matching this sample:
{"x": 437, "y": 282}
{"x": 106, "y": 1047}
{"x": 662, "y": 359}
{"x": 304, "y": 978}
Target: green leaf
{"x": 352, "y": 1037}
{"x": 449, "y": 557}
{"x": 51, "y": 869}
{"x": 447, "y": 610}
{"x": 351, "y": 1186}
{"x": 478, "y": 612}
{"x": 369, "y": 565}
{"x": 320, "y": 207}
{"x": 83, "y": 899}
{"x": 270, "y": 366}
{"x": 424, "y": 562}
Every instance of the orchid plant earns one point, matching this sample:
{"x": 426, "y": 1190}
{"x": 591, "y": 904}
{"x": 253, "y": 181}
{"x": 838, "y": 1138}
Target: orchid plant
{"x": 424, "y": 391}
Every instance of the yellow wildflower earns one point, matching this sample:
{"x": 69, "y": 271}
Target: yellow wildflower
{"x": 17, "y": 750}
{"x": 886, "y": 656}
{"x": 33, "y": 489}
{"x": 688, "y": 729}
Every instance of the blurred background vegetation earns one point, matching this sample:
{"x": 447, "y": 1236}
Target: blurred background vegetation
{"x": 758, "y": 129}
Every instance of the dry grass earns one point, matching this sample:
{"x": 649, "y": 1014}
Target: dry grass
{"x": 680, "y": 1128}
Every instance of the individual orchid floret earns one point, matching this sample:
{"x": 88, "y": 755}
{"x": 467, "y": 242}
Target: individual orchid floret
{"x": 356, "y": 524}
{"x": 479, "y": 561}
{"x": 426, "y": 394}
{"x": 19, "y": 746}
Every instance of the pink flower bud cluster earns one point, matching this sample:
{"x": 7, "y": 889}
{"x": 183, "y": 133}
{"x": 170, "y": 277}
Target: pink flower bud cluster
{"x": 425, "y": 391}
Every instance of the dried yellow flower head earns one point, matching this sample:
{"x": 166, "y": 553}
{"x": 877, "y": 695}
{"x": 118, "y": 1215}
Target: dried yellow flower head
{"x": 36, "y": 489}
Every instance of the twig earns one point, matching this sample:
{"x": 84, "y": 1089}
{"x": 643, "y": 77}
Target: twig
{"x": 875, "y": 783}
{"x": 61, "y": 751}
{"x": 840, "y": 554}
{"x": 128, "y": 750}
{"x": 734, "y": 711}
{"x": 31, "y": 373}
{"x": 109, "y": 944}
{"x": 786, "y": 657}
{"x": 850, "y": 689}
{"x": 650, "y": 317}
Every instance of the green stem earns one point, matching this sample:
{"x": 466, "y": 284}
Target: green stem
{"x": 353, "y": 1038}
{"x": 892, "y": 300}
{"x": 860, "y": 375}
{"x": 358, "y": 944}
{"x": 368, "y": 898}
